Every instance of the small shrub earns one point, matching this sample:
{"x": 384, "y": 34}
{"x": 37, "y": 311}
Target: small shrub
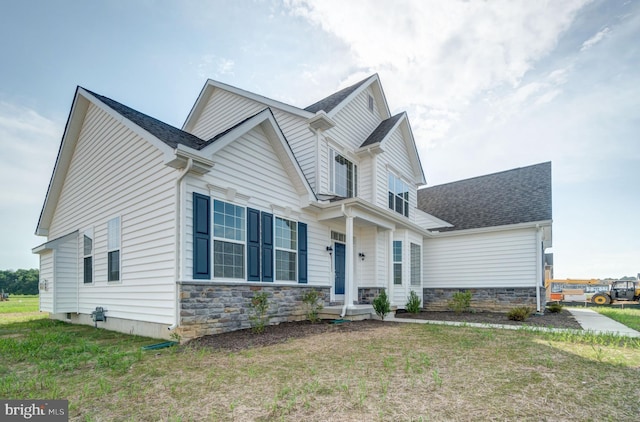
{"x": 521, "y": 313}
{"x": 313, "y": 303}
{"x": 413, "y": 304}
{"x": 259, "y": 308}
{"x": 555, "y": 308}
{"x": 461, "y": 302}
{"x": 381, "y": 304}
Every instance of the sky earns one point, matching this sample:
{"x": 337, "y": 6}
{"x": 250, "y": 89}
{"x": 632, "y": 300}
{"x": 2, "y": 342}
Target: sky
{"x": 488, "y": 86}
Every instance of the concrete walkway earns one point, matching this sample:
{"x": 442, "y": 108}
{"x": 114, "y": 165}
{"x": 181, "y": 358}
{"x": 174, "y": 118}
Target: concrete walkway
{"x": 591, "y": 321}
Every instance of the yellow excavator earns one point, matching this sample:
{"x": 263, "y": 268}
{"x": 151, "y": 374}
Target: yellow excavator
{"x": 618, "y": 291}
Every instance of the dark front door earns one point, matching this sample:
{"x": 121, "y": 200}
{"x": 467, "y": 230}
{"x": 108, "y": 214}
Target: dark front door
{"x": 338, "y": 250}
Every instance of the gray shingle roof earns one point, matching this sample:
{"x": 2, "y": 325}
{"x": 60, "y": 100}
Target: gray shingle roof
{"x": 382, "y": 130}
{"x": 515, "y": 196}
{"x": 168, "y": 134}
{"x": 329, "y": 103}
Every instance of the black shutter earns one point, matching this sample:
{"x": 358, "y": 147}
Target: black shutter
{"x": 302, "y": 253}
{"x": 253, "y": 244}
{"x": 201, "y": 237}
{"x": 267, "y": 247}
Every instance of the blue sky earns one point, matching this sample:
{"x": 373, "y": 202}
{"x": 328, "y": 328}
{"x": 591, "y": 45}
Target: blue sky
{"x": 488, "y": 86}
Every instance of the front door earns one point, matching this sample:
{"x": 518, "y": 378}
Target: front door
{"x": 339, "y": 266}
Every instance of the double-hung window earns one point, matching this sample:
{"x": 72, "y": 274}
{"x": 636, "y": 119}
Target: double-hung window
{"x": 87, "y": 254}
{"x": 113, "y": 249}
{"x": 398, "y": 195}
{"x": 343, "y": 175}
{"x": 228, "y": 240}
{"x": 415, "y": 264}
{"x": 286, "y": 249}
{"x": 397, "y": 262}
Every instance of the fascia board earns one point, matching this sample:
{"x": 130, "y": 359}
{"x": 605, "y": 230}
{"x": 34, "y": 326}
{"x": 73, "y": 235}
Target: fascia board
{"x": 70, "y": 136}
{"x": 144, "y": 134}
{"x": 211, "y": 86}
{"x": 415, "y": 157}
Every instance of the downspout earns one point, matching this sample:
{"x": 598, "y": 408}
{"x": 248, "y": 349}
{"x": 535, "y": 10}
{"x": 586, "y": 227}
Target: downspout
{"x": 179, "y": 218}
{"x": 538, "y": 265}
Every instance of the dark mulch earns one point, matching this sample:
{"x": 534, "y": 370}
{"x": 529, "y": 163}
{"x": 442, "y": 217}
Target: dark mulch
{"x": 276, "y": 334}
{"x": 281, "y": 333}
{"x": 562, "y": 319}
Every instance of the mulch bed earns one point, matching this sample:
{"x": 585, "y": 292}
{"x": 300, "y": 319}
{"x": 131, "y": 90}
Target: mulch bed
{"x": 276, "y": 334}
{"x": 281, "y": 333}
{"x": 562, "y": 319}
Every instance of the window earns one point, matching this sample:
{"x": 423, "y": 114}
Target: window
{"x": 343, "y": 177}
{"x": 370, "y": 103}
{"x": 87, "y": 254}
{"x": 113, "y": 249}
{"x": 397, "y": 262}
{"x": 229, "y": 240}
{"x": 415, "y": 264}
{"x": 286, "y": 249}
{"x": 398, "y": 195}
{"x": 340, "y": 237}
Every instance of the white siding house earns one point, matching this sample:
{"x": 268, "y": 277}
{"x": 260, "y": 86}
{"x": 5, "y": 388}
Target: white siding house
{"x": 174, "y": 230}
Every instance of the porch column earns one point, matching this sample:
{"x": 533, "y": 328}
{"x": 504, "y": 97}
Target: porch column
{"x": 349, "y": 284}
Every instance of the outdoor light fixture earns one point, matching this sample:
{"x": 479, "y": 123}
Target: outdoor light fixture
{"x": 361, "y": 255}
{"x": 329, "y": 249}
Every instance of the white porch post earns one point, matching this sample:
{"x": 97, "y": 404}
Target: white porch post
{"x": 349, "y": 273}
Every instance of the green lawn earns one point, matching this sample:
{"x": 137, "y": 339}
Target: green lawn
{"x": 20, "y": 308}
{"x": 393, "y": 372}
{"x": 627, "y": 316}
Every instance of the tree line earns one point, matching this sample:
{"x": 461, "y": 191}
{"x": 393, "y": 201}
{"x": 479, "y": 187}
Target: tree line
{"x": 19, "y": 282}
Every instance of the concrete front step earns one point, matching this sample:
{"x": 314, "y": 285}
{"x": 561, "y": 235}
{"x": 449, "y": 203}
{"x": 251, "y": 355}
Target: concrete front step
{"x": 354, "y": 312}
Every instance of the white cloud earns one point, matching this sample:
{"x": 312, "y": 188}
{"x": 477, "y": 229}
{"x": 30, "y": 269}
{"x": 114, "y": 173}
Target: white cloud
{"x": 595, "y": 39}
{"x": 212, "y": 66}
{"x": 434, "y": 55}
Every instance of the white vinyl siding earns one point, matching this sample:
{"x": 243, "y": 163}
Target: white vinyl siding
{"x": 354, "y": 122}
{"x": 66, "y": 275}
{"x": 115, "y": 172}
{"x": 45, "y": 284}
{"x": 251, "y": 174}
{"x": 496, "y": 259}
{"x": 225, "y": 109}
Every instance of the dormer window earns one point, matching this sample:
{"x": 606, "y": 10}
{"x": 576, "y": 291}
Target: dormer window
{"x": 398, "y": 195}
{"x": 343, "y": 175}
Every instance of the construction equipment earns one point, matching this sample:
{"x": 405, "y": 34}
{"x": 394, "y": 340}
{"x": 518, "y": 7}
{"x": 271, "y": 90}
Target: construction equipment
{"x": 621, "y": 290}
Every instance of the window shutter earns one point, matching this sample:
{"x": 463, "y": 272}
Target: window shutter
{"x": 302, "y": 253}
{"x": 201, "y": 237}
{"x": 253, "y": 244}
{"x": 267, "y": 247}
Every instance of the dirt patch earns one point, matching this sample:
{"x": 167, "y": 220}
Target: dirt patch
{"x": 562, "y": 319}
{"x": 276, "y": 334}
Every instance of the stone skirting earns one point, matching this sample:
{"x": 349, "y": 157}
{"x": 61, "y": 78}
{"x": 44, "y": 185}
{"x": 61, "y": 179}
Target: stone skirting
{"x": 367, "y": 294}
{"x": 214, "y": 308}
{"x": 485, "y": 299}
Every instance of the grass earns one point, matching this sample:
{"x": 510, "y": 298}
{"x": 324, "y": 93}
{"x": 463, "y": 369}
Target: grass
{"x": 629, "y": 316}
{"x": 395, "y": 372}
{"x": 20, "y": 308}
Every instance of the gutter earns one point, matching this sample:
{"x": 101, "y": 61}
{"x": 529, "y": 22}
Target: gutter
{"x": 179, "y": 218}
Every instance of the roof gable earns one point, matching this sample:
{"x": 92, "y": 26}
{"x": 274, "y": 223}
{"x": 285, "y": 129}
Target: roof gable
{"x": 521, "y": 195}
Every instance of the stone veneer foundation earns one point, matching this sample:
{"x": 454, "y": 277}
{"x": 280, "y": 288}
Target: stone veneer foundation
{"x": 485, "y": 299}
{"x": 213, "y": 308}
{"x": 367, "y": 294}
